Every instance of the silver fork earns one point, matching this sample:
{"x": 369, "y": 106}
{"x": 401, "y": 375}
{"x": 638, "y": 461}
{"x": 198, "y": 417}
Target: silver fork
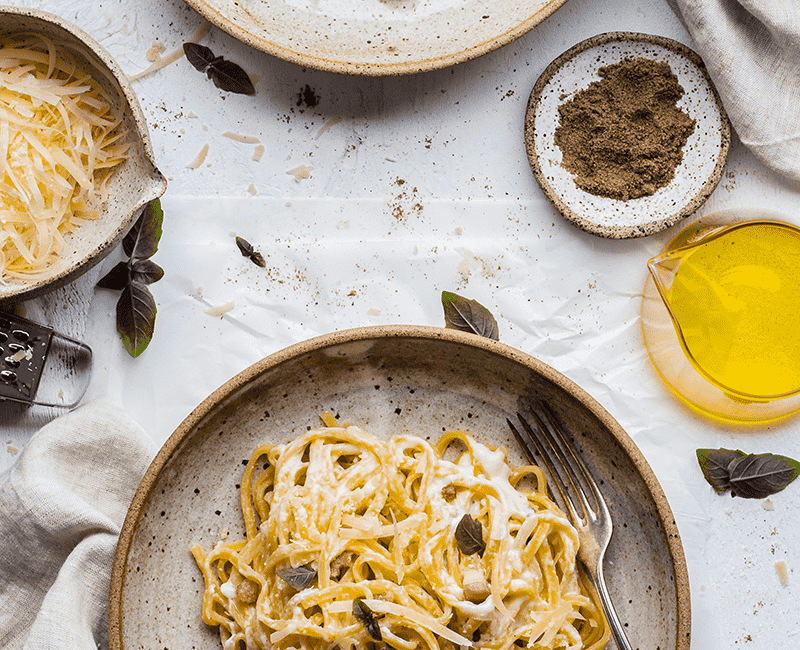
{"x": 580, "y": 498}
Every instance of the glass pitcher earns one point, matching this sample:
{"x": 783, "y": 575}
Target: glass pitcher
{"x": 721, "y": 316}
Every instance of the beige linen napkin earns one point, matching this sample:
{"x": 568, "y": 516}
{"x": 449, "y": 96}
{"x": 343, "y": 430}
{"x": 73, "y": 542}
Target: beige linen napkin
{"x": 752, "y": 51}
{"x": 61, "y": 508}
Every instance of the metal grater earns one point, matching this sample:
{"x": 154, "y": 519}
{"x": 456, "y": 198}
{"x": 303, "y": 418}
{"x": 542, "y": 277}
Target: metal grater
{"x": 24, "y": 350}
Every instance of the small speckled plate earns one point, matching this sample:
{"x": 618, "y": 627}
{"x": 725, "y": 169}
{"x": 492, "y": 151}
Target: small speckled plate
{"x": 704, "y": 154}
{"x": 392, "y": 379}
{"x": 376, "y": 37}
{"x": 135, "y": 182}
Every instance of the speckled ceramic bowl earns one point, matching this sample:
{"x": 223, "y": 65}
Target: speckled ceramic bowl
{"x": 704, "y": 154}
{"x": 132, "y": 185}
{"x": 393, "y": 379}
{"x": 376, "y": 37}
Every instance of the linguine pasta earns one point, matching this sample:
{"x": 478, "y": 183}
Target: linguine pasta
{"x": 353, "y": 542}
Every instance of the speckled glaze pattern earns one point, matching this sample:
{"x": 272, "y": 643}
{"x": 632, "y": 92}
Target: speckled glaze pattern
{"x": 376, "y": 37}
{"x": 704, "y": 154}
{"x": 387, "y": 379}
{"x": 136, "y": 182}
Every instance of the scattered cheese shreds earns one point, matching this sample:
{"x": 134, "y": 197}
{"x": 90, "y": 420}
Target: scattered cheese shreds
{"x": 327, "y": 126}
{"x": 783, "y": 572}
{"x": 258, "y": 152}
{"x": 155, "y": 51}
{"x": 247, "y": 139}
{"x": 300, "y": 172}
{"x": 61, "y": 136}
{"x": 199, "y": 158}
{"x": 222, "y": 309}
{"x": 176, "y": 54}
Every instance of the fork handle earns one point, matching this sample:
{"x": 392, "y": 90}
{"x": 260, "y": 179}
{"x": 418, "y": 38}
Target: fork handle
{"x": 617, "y": 630}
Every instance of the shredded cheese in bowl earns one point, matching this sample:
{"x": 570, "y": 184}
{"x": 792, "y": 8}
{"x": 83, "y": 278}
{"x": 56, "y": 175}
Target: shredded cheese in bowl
{"x": 61, "y": 136}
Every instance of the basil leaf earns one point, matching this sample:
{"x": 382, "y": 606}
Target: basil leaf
{"x": 714, "y": 464}
{"x": 365, "y": 616}
{"x": 146, "y": 271}
{"x": 199, "y": 56}
{"x": 247, "y": 250}
{"x": 756, "y": 476}
{"x": 468, "y": 316}
{"x": 298, "y": 577}
{"x": 116, "y": 278}
{"x": 142, "y": 240}
{"x": 469, "y": 536}
{"x": 228, "y": 76}
{"x": 136, "y": 317}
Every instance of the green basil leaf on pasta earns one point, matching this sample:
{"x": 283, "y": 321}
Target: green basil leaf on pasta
{"x": 469, "y": 536}
{"x": 365, "y": 616}
{"x": 298, "y": 577}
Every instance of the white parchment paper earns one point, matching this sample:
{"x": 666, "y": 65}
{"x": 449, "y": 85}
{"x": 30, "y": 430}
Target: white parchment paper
{"x": 568, "y": 298}
{"x": 352, "y": 245}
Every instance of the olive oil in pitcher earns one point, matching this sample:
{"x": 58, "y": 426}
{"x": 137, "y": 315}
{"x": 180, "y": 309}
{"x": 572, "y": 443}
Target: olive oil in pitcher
{"x": 733, "y": 295}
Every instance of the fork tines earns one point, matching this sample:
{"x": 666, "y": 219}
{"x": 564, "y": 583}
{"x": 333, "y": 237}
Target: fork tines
{"x": 549, "y": 442}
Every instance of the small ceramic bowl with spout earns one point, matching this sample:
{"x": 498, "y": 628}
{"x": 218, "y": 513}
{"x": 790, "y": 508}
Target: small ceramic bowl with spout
{"x": 131, "y": 185}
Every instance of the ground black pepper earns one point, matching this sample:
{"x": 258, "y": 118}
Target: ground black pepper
{"x": 622, "y": 137}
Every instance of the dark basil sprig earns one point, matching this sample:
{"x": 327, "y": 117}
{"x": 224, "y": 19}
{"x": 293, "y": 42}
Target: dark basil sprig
{"x": 136, "y": 307}
{"x": 247, "y": 250}
{"x": 751, "y": 476}
{"x": 468, "y": 316}
{"x": 365, "y": 616}
{"x": 226, "y": 75}
{"x": 469, "y": 536}
{"x": 298, "y": 577}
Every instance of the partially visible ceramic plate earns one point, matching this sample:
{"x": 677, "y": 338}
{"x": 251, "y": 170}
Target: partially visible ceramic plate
{"x": 704, "y": 154}
{"x": 135, "y": 182}
{"x": 376, "y": 37}
{"x": 388, "y": 380}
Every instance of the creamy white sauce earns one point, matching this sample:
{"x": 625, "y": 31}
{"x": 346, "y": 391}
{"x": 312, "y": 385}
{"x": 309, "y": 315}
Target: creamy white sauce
{"x": 506, "y": 502}
{"x": 228, "y": 590}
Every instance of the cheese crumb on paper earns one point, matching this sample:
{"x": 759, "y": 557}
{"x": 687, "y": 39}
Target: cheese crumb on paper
{"x": 239, "y": 137}
{"x": 155, "y": 51}
{"x": 327, "y": 126}
{"x": 783, "y": 572}
{"x": 199, "y": 158}
{"x": 300, "y": 172}
{"x": 177, "y": 53}
{"x": 258, "y": 152}
{"x": 222, "y": 309}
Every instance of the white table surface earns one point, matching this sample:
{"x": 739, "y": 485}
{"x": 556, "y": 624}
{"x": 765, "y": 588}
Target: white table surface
{"x": 419, "y": 184}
